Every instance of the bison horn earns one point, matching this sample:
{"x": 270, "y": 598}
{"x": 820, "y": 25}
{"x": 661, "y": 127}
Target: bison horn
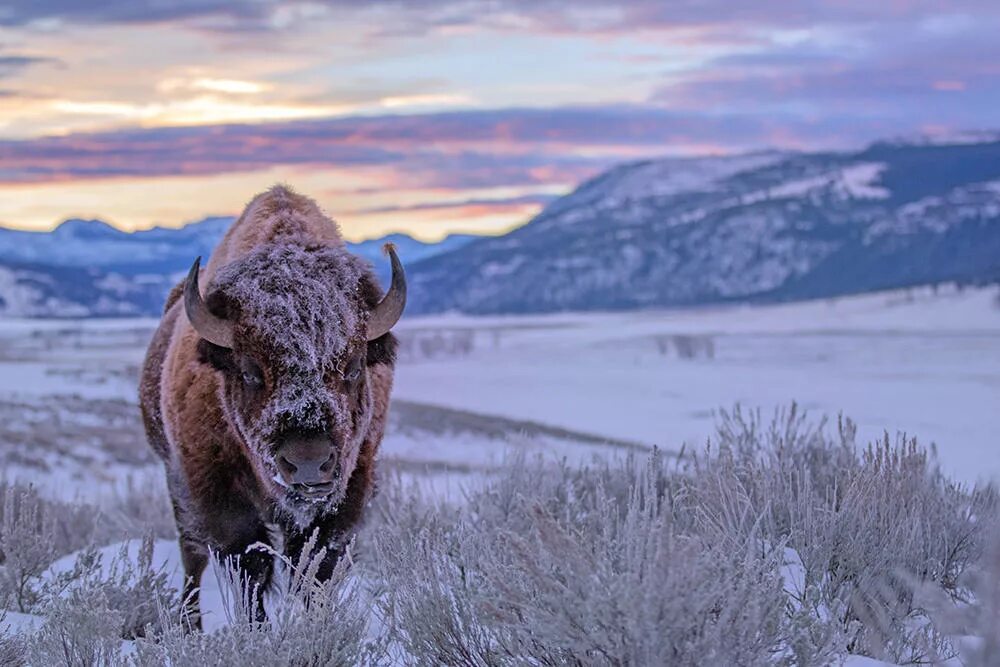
{"x": 390, "y": 308}
{"x": 210, "y": 327}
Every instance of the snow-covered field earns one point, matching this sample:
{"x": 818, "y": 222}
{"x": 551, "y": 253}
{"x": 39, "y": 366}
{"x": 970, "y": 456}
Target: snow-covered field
{"x": 576, "y": 386}
{"x": 919, "y": 362}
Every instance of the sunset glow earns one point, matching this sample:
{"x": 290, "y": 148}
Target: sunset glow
{"x": 447, "y": 118}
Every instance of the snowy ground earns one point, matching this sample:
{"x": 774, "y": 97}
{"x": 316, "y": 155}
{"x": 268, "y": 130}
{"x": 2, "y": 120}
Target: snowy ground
{"x": 576, "y": 385}
{"x": 573, "y": 386}
{"x": 917, "y": 362}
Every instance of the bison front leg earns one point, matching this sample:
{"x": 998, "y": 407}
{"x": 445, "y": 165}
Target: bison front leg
{"x": 250, "y": 554}
{"x": 194, "y": 557}
{"x": 330, "y": 538}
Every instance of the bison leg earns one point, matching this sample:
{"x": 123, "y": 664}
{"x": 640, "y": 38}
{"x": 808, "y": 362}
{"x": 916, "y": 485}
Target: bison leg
{"x": 194, "y": 557}
{"x": 329, "y": 533}
{"x": 250, "y": 554}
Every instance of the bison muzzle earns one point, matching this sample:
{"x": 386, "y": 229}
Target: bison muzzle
{"x": 266, "y": 394}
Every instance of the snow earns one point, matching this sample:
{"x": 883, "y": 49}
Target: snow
{"x": 856, "y": 181}
{"x": 916, "y": 362}
{"x": 579, "y": 386}
{"x": 652, "y": 179}
{"x": 14, "y": 622}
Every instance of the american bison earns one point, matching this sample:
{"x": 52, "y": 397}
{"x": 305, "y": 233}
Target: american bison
{"x": 267, "y": 397}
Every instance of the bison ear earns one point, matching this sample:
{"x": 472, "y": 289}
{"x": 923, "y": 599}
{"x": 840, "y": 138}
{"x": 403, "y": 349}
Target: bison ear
{"x": 382, "y": 350}
{"x": 218, "y": 357}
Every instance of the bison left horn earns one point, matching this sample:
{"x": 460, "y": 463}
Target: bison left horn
{"x": 210, "y": 327}
{"x": 390, "y": 308}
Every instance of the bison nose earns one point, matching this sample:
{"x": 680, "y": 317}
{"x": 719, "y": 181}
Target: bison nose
{"x": 306, "y": 461}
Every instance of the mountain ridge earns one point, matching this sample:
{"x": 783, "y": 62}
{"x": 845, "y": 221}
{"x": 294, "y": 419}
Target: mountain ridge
{"x": 657, "y": 233}
{"x": 88, "y": 268}
{"x": 756, "y": 227}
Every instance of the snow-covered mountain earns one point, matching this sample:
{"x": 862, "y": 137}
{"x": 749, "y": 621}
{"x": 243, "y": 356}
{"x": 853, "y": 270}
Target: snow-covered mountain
{"x": 88, "y": 268}
{"x": 670, "y": 232}
{"x": 765, "y": 226}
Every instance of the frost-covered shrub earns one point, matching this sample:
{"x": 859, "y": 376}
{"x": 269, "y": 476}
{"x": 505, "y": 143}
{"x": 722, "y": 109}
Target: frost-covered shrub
{"x": 35, "y": 531}
{"x": 867, "y": 525}
{"x": 549, "y": 567}
{"x": 985, "y": 612}
{"x": 141, "y": 507}
{"x": 134, "y": 510}
{"x": 310, "y": 623}
{"x": 80, "y": 630}
{"x": 12, "y": 649}
{"x": 129, "y": 584}
{"x": 436, "y": 343}
{"x": 778, "y": 545}
{"x": 27, "y": 546}
{"x": 977, "y": 622}
{"x": 685, "y": 346}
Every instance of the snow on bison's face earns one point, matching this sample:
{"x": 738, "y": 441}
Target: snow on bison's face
{"x": 293, "y": 332}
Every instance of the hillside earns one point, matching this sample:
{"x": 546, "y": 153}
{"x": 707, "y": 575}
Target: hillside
{"x": 766, "y": 226}
{"x": 87, "y": 268}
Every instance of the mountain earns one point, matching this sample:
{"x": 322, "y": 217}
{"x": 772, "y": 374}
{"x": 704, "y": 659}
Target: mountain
{"x": 87, "y": 268}
{"x": 765, "y": 226}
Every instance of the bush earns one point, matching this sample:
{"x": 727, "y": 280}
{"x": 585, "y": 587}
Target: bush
{"x": 28, "y": 539}
{"x": 80, "y": 630}
{"x": 778, "y": 545}
{"x": 868, "y": 527}
{"x": 129, "y": 585}
{"x": 310, "y": 623}
{"x": 35, "y": 531}
{"x": 12, "y": 650}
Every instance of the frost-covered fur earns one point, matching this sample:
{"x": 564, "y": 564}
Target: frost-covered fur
{"x": 299, "y": 304}
{"x": 306, "y": 339}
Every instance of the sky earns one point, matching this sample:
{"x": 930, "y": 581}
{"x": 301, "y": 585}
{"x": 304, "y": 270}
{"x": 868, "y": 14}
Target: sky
{"x": 450, "y": 116}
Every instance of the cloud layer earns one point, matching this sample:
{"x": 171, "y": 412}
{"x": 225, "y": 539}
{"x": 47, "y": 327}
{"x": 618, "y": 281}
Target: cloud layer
{"x": 453, "y": 150}
{"x": 523, "y": 96}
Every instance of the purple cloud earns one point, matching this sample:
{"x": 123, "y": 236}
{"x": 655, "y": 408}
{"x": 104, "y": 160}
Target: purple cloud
{"x": 903, "y": 76}
{"x": 457, "y": 149}
{"x": 413, "y": 16}
{"x": 497, "y": 203}
{"x": 13, "y": 63}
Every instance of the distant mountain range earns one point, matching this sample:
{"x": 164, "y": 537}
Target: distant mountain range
{"x": 87, "y": 268}
{"x": 759, "y": 227}
{"x": 681, "y": 231}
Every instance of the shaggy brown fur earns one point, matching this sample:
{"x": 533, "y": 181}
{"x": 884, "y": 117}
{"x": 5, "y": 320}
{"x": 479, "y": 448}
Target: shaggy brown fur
{"x": 299, "y": 302}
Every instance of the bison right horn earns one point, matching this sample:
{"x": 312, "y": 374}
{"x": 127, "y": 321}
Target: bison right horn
{"x": 210, "y": 327}
{"x": 388, "y": 311}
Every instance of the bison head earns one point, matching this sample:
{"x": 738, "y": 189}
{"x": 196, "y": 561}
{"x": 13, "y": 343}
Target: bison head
{"x": 297, "y": 334}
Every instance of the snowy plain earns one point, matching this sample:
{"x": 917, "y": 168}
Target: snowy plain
{"x": 921, "y": 362}
{"x": 924, "y": 362}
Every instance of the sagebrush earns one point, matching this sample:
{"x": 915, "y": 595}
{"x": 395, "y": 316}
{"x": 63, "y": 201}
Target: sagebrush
{"x": 783, "y": 542}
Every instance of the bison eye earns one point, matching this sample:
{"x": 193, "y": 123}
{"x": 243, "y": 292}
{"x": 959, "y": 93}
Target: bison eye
{"x": 252, "y": 377}
{"x": 353, "y": 371}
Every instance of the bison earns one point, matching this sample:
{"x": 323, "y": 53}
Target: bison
{"x": 267, "y": 397}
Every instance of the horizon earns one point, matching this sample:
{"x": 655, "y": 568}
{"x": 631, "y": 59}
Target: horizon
{"x": 231, "y": 218}
{"x": 957, "y": 136}
{"x": 451, "y": 118}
